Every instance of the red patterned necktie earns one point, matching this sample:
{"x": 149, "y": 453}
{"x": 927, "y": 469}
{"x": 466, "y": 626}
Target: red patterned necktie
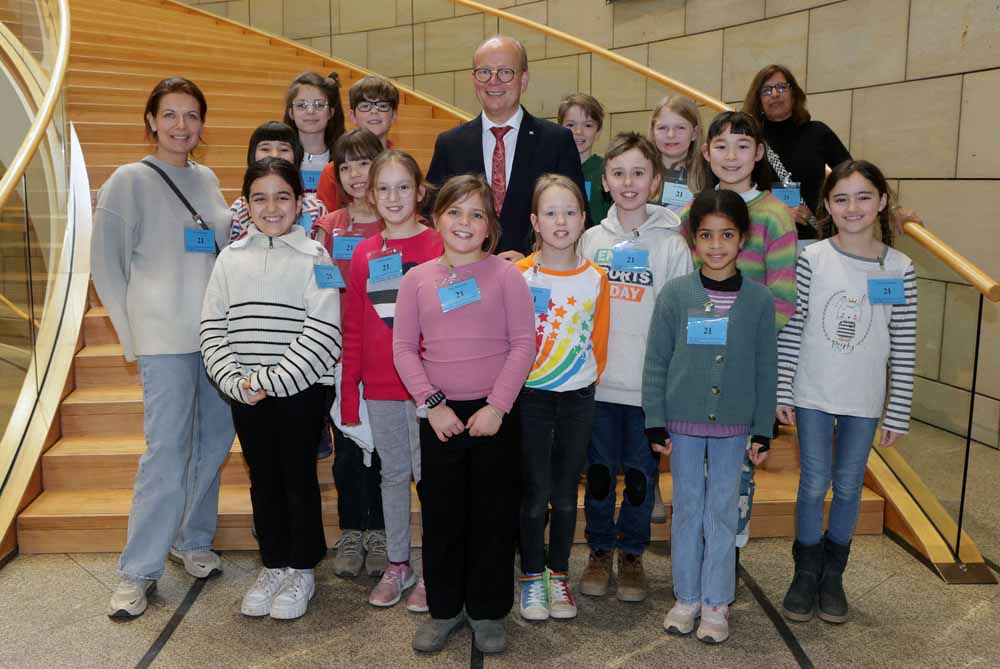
{"x": 499, "y": 172}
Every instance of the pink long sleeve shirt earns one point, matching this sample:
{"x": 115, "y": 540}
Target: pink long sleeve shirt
{"x": 483, "y": 349}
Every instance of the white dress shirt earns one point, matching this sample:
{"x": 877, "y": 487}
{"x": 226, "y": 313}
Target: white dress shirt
{"x": 509, "y": 141}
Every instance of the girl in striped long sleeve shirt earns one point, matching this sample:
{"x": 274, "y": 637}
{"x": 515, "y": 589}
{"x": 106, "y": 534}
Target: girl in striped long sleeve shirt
{"x": 855, "y": 323}
{"x": 270, "y": 335}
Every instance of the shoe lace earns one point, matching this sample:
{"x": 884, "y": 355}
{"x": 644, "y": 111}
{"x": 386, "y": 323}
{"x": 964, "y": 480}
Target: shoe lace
{"x": 374, "y": 542}
{"x": 559, "y": 589}
{"x": 295, "y": 584}
{"x": 349, "y": 544}
{"x": 393, "y": 576}
{"x": 268, "y": 578}
{"x": 534, "y": 592}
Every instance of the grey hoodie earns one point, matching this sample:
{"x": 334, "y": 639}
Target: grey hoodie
{"x": 633, "y": 294}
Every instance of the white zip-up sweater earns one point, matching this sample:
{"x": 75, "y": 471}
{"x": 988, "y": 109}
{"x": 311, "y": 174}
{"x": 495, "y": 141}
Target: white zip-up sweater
{"x": 265, "y": 319}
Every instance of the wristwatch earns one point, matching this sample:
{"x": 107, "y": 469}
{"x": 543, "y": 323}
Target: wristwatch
{"x": 432, "y": 401}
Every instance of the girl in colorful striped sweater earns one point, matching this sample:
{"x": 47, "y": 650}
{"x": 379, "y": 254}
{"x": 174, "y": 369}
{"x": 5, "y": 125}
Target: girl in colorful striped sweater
{"x": 732, "y": 159}
{"x": 270, "y": 335}
{"x": 855, "y": 322}
{"x": 572, "y": 306}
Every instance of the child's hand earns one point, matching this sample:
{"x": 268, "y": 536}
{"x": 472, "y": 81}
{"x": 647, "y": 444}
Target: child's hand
{"x": 512, "y": 256}
{"x": 485, "y": 422}
{"x": 250, "y": 397}
{"x": 800, "y": 214}
{"x": 664, "y": 448}
{"x": 888, "y": 439}
{"x": 785, "y": 414}
{"x": 444, "y": 421}
{"x": 900, "y": 216}
{"x": 757, "y": 457}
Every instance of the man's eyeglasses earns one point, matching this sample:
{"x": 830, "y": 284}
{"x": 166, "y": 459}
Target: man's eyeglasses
{"x": 378, "y": 105}
{"x": 303, "y": 105}
{"x": 780, "y": 89}
{"x": 504, "y": 74}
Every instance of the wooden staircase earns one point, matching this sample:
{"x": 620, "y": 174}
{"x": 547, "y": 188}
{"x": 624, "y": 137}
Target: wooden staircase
{"x": 119, "y": 50}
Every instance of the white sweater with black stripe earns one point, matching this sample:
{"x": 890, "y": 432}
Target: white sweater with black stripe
{"x": 835, "y": 353}
{"x": 266, "y": 320}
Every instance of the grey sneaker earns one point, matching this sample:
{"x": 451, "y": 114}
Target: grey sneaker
{"x": 659, "y": 514}
{"x": 490, "y": 635}
{"x": 200, "y": 564}
{"x": 130, "y": 597}
{"x": 377, "y": 559}
{"x": 434, "y": 632}
{"x": 350, "y": 554}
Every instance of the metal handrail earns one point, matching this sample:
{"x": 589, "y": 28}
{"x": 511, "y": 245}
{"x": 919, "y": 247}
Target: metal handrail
{"x": 979, "y": 279}
{"x": 41, "y": 123}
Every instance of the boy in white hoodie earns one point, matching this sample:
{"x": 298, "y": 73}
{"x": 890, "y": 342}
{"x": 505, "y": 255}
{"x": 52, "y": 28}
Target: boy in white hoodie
{"x": 641, "y": 248}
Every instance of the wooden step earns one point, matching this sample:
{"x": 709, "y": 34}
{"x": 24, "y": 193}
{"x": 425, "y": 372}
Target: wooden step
{"x": 97, "y": 328}
{"x": 243, "y": 73}
{"x": 88, "y": 463}
{"x": 132, "y": 113}
{"x": 72, "y": 521}
{"x": 104, "y": 365}
{"x": 145, "y": 82}
{"x": 102, "y": 410}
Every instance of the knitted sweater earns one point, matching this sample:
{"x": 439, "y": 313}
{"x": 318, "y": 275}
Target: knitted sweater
{"x": 151, "y": 286}
{"x": 733, "y": 384}
{"x": 832, "y": 356}
{"x": 572, "y": 333}
{"x": 369, "y": 312}
{"x": 341, "y": 220}
{"x": 768, "y": 256}
{"x": 265, "y": 319}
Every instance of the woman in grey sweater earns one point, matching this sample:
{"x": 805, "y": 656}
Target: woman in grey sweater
{"x": 151, "y": 258}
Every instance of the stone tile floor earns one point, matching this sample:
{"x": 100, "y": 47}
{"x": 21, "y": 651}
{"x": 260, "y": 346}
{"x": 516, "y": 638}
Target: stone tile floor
{"x": 903, "y": 615}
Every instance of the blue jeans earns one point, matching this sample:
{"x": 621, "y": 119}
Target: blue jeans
{"x": 189, "y": 431}
{"x": 826, "y": 454}
{"x": 619, "y": 441}
{"x": 705, "y": 517}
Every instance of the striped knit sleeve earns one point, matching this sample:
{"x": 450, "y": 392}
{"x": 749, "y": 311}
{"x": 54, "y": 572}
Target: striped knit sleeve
{"x": 220, "y": 359}
{"x": 313, "y": 353}
{"x": 902, "y": 357}
{"x": 239, "y": 219}
{"x": 779, "y": 262}
{"x": 790, "y": 336}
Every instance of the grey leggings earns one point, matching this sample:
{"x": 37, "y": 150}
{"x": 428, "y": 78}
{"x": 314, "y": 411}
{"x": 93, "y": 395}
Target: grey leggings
{"x": 396, "y": 434}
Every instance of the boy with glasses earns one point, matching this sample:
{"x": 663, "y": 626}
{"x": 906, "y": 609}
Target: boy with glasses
{"x": 373, "y": 101}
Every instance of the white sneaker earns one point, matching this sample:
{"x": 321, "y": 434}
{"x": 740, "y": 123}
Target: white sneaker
{"x": 714, "y": 627}
{"x": 129, "y": 598}
{"x": 200, "y": 564}
{"x": 659, "y": 514}
{"x": 681, "y": 618}
{"x": 257, "y": 601}
{"x": 293, "y": 598}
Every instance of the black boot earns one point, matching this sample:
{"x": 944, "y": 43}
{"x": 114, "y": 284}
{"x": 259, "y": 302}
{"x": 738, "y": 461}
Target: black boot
{"x": 800, "y": 600}
{"x": 832, "y": 599}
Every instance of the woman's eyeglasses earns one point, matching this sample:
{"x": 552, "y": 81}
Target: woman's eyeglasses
{"x": 780, "y": 89}
{"x": 303, "y": 105}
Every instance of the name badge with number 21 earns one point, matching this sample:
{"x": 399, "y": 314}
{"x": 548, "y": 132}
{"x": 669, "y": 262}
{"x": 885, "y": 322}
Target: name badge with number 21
{"x": 459, "y": 294}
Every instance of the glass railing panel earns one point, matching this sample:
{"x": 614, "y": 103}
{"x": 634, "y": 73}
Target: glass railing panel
{"x": 27, "y": 22}
{"x": 17, "y": 334}
{"x": 933, "y": 454}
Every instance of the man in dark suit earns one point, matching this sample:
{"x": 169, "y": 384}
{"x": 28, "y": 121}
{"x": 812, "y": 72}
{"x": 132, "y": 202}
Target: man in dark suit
{"x": 506, "y": 135}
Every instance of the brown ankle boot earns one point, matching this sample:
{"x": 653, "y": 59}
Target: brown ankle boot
{"x": 597, "y": 575}
{"x": 631, "y": 578}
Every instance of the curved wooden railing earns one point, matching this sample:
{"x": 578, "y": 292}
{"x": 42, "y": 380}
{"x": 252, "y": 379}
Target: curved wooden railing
{"x": 36, "y": 132}
{"x": 979, "y": 279}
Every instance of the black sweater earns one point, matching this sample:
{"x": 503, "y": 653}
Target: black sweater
{"x": 805, "y": 151}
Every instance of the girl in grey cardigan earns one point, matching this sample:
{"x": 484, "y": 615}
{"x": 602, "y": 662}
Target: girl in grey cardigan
{"x": 150, "y": 261}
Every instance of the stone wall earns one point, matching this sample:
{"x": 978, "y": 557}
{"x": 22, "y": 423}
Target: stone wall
{"x": 912, "y": 85}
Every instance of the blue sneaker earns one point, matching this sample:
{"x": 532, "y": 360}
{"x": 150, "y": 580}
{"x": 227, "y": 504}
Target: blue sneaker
{"x": 534, "y": 597}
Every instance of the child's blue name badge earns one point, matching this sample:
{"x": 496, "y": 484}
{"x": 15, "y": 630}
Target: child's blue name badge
{"x": 676, "y": 194}
{"x": 587, "y": 186}
{"x": 343, "y": 247}
{"x": 455, "y": 295}
{"x": 197, "y": 240}
{"x": 707, "y": 329}
{"x": 328, "y": 276}
{"x": 310, "y": 179}
{"x": 788, "y": 193}
{"x": 629, "y": 258}
{"x": 383, "y": 266}
{"x": 306, "y": 221}
{"x": 888, "y": 290}
{"x": 541, "y": 296}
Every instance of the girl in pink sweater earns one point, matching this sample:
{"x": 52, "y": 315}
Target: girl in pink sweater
{"x": 463, "y": 342}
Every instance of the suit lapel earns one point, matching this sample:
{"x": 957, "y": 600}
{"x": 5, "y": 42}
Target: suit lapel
{"x": 524, "y": 156}
{"x": 472, "y": 144}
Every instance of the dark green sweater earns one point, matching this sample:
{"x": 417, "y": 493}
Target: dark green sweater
{"x": 679, "y": 379}
{"x": 599, "y": 200}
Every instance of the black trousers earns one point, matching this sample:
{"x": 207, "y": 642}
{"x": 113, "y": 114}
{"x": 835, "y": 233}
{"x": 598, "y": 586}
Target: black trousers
{"x": 359, "y": 488}
{"x": 556, "y": 431}
{"x": 279, "y": 436}
{"x": 469, "y": 499}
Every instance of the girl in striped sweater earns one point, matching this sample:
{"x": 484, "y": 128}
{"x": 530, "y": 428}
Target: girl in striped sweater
{"x": 732, "y": 159}
{"x": 270, "y": 335}
{"x": 855, "y": 322}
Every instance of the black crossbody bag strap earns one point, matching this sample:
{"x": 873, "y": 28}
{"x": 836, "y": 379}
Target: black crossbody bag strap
{"x": 180, "y": 196}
